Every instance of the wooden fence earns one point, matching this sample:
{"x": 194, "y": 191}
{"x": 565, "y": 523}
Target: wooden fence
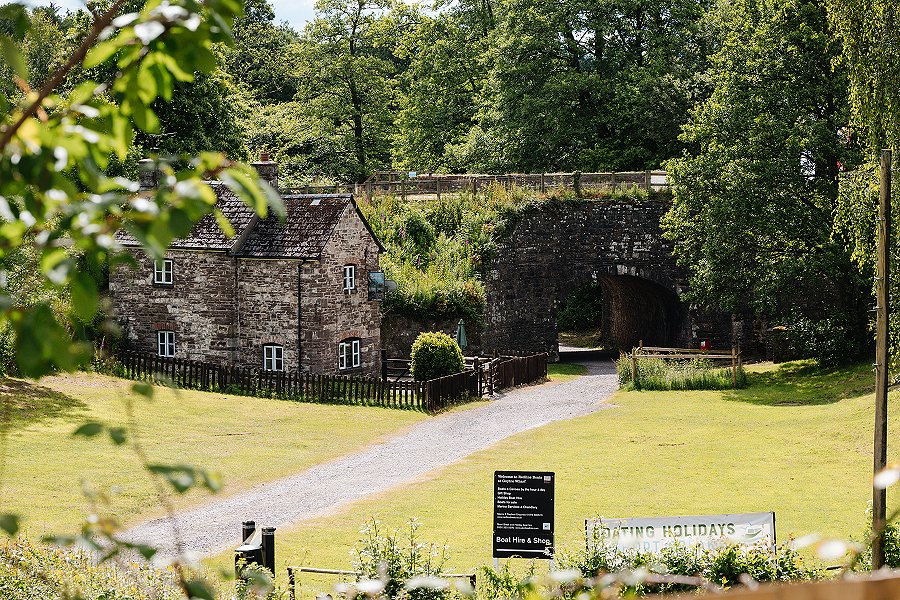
{"x": 733, "y": 355}
{"x": 430, "y": 396}
{"x": 436, "y": 184}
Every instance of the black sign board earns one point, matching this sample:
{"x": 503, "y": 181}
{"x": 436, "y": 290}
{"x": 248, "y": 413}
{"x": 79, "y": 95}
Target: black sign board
{"x": 523, "y": 514}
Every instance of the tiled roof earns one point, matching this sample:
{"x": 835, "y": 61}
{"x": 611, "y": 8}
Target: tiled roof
{"x": 206, "y": 234}
{"x": 302, "y": 234}
{"x": 309, "y": 223}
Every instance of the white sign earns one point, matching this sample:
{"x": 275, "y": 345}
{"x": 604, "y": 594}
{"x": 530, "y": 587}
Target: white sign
{"x": 709, "y": 531}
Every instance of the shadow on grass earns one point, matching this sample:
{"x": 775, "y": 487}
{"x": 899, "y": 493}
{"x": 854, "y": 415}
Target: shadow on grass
{"x": 804, "y": 383}
{"x": 23, "y": 402}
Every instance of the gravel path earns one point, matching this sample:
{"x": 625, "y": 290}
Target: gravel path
{"x": 401, "y": 459}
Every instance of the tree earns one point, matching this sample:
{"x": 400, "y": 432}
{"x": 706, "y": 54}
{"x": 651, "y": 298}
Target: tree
{"x": 588, "y": 85}
{"x": 753, "y": 205}
{"x": 346, "y": 80}
{"x": 57, "y": 201}
{"x": 438, "y": 103}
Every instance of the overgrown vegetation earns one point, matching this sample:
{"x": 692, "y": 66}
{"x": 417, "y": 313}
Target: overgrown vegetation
{"x": 661, "y": 374}
{"x": 438, "y": 249}
{"x": 398, "y": 559}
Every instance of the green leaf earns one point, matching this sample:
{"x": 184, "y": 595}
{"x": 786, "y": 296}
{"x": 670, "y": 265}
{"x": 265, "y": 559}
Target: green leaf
{"x": 199, "y": 590}
{"x": 101, "y": 52}
{"x": 142, "y": 388}
{"x": 84, "y": 296}
{"x": 13, "y": 56}
{"x": 180, "y": 477}
{"x": 10, "y": 524}
{"x": 118, "y": 435}
{"x": 90, "y": 429}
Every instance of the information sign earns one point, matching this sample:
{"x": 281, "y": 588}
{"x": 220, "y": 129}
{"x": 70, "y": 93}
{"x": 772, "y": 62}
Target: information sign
{"x": 707, "y": 531}
{"x": 523, "y": 514}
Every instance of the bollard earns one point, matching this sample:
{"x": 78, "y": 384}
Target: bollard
{"x": 247, "y": 529}
{"x": 268, "y": 548}
{"x": 248, "y": 553}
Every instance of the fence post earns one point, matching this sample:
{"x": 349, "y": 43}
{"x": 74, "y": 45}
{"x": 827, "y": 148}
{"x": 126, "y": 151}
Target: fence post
{"x": 437, "y": 182}
{"x": 733, "y": 366}
{"x": 403, "y": 189}
{"x": 647, "y": 180}
{"x": 384, "y": 364}
{"x": 543, "y": 184}
{"x": 477, "y": 375}
{"x": 634, "y": 369}
{"x": 576, "y": 183}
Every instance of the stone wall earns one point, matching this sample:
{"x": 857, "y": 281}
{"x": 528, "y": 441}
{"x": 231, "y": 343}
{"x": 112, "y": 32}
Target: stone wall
{"x": 558, "y": 247}
{"x": 398, "y": 332}
{"x": 268, "y": 305}
{"x": 198, "y": 306}
{"x": 328, "y": 313}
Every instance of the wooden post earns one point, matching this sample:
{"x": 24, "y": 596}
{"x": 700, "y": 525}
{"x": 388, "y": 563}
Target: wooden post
{"x": 543, "y": 184}
{"x": 634, "y": 369}
{"x": 384, "y": 364}
{"x": 576, "y": 183}
{"x": 882, "y": 354}
{"x": 292, "y": 583}
{"x": 474, "y": 185}
{"x": 437, "y": 183}
{"x": 734, "y": 367}
{"x": 369, "y": 191}
{"x": 647, "y": 179}
{"x": 403, "y": 189}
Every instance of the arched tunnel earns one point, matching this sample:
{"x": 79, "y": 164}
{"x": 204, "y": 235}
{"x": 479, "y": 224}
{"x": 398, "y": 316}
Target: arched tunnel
{"x": 633, "y": 309}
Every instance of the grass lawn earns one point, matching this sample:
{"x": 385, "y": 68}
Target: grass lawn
{"x": 564, "y": 371}
{"x": 797, "y": 441}
{"x": 249, "y": 440}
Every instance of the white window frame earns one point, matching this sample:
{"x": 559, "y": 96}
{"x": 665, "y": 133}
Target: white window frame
{"x": 165, "y": 343}
{"x": 273, "y": 357}
{"x": 163, "y": 272}
{"x": 349, "y": 349}
{"x": 349, "y": 278}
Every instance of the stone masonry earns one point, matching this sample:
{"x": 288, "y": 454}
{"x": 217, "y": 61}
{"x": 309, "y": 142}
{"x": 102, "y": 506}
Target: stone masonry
{"x": 276, "y": 282}
{"x": 558, "y": 247}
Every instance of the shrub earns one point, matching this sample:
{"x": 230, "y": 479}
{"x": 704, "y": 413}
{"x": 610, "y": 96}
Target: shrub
{"x": 723, "y": 566}
{"x": 435, "y": 355}
{"x": 830, "y": 342}
{"x": 398, "y": 557}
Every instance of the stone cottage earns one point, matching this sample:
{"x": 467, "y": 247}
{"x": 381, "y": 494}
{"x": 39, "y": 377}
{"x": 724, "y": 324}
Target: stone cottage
{"x": 289, "y": 295}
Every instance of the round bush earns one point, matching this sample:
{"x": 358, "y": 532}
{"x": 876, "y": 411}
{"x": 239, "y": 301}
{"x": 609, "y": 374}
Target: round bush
{"x": 435, "y": 355}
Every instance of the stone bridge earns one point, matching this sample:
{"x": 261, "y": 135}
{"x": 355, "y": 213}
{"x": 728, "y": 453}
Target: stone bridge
{"x": 558, "y": 247}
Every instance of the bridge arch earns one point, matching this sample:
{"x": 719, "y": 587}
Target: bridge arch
{"x": 557, "y": 247}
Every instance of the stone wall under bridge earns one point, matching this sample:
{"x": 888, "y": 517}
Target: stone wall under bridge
{"x": 557, "y": 247}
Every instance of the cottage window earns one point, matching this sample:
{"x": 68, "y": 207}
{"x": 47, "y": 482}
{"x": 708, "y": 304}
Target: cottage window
{"x": 162, "y": 272}
{"x": 273, "y": 357}
{"x": 348, "y": 354}
{"x": 165, "y": 344}
{"x": 349, "y": 277}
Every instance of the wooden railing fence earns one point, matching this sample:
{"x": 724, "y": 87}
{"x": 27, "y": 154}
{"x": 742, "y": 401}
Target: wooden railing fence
{"x": 436, "y": 184}
{"x": 430, "y": 396}
{"x": 641, "y": 351}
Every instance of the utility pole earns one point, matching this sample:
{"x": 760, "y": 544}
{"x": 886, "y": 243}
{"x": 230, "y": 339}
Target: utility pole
{"x": 882, "y": 354}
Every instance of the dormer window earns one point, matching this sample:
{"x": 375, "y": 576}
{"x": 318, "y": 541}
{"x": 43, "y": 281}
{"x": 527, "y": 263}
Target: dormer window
{"x": 349, "y": 278}
{"x": 163, "y": 272}
{"x": 273, "y": 357}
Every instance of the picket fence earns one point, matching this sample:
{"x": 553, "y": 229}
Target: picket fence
{"x": 429, "y": 396}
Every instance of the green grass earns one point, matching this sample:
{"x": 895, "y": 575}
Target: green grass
{"x": 797, "y": 441}
{"x": 564, "y": 371}
{"x": 666, "y": 375}
{"x": 249, "y": 440}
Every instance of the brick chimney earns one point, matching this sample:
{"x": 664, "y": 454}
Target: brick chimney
{"x": 149, "y": 174}
{"x": 267, "y": 169}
